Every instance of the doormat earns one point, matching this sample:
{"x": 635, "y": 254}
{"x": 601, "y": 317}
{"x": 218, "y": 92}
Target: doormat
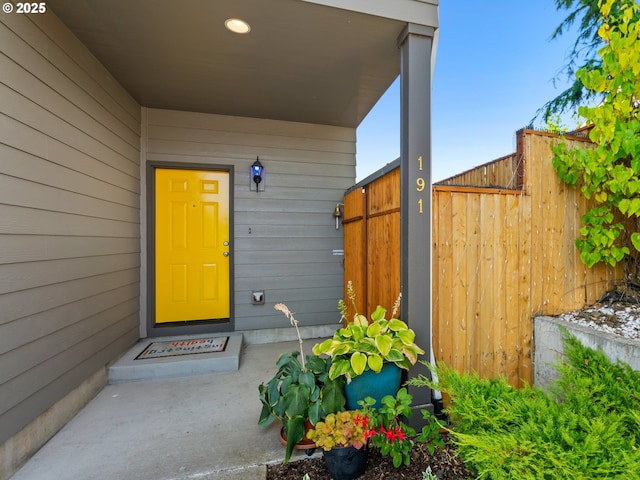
{"x": 184, "y": 347}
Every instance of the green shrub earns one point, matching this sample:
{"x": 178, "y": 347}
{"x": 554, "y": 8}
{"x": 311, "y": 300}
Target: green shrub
{"x": 586, "y": 427}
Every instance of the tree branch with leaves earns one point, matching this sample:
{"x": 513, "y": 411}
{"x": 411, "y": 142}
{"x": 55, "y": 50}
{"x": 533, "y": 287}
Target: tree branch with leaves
{"x": 585, "y": 14}
{"x": 610, "y": 172}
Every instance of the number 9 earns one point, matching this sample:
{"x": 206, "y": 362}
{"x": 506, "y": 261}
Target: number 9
{"x": 420, "y": 183}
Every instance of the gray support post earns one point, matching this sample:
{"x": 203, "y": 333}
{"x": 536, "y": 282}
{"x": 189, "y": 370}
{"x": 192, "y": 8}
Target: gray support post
{"x": 416, "y": 43}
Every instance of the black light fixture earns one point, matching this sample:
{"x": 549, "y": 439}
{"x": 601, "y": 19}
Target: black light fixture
{"x": 257, "y": 170}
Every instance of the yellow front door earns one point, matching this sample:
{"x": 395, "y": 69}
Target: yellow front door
{"x": 192, "y": 245}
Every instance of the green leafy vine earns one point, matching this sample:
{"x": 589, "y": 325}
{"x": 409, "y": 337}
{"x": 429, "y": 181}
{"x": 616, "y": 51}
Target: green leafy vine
{"x": 610, "y": 172}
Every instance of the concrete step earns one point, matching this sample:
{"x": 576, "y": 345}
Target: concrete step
{"x": 128, "y": 369}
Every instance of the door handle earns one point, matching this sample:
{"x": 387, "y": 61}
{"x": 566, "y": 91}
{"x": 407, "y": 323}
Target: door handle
{"x": 226, "y": 254}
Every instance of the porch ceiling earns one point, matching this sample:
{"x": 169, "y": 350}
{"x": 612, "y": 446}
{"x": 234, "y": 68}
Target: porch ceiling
{"x": 301, "y": 61}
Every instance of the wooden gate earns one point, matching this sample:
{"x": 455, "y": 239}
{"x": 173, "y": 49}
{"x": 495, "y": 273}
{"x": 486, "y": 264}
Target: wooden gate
{"x": 372, "y": 241}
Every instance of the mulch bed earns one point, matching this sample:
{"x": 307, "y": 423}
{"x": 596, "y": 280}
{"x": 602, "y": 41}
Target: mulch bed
{"x": 444, "y": 464}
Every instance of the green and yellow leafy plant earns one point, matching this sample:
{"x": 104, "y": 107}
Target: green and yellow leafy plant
{"x": 610, "y": 172}
{"x": 366, "y": 345}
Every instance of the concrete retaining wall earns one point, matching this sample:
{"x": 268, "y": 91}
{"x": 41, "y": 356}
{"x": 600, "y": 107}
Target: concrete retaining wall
{"x": 548, "y": 346}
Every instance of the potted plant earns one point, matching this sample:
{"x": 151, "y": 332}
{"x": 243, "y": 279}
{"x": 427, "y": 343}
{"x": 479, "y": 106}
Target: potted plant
{"x": 387, "y": 430}
{"x": 370, "y": 354}
{"x": 343, "y": 437}
{"x": 300, "y": 392}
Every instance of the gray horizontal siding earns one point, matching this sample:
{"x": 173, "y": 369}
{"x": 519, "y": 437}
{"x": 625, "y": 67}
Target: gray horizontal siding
{"x": 60, "y": 318}
{"x": 326, "y": 202}
{"x": 32, "y": 248}
{"x": 30, "y": 367}
{"x": 25, "y": 141}
{"x": 69, "y": 67}
{"x": 281, "y": 282}
{"x": 25, "y": 193}
{"x": 19, "y": 310}
{"x": 200, "y": 138}
{"x": 63, "y": 380}
{"x": 70, "y": 209}
{"x": 22, "y": 276}
{"x": 285, "y": 235}
{"x": 18, "y": 220}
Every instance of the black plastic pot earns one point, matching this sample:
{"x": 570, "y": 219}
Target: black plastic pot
{"x": 345, "y": 463}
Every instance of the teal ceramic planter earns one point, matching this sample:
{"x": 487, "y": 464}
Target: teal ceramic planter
{"x": 372, "y": 384}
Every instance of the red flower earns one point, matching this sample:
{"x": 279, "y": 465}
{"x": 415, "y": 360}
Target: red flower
{"x": 391, "y": 435}
{"x": 361, "y": 420}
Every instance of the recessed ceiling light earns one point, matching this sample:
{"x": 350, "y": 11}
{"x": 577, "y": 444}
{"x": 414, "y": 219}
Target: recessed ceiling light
{"x": 237, "y": 26}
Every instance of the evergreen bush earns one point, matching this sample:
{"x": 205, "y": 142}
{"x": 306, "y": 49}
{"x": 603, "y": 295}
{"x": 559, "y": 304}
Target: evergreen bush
{"x": 586, "y": 427}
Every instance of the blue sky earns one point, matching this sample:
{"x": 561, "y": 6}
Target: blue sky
{"x": 495, "y": 66}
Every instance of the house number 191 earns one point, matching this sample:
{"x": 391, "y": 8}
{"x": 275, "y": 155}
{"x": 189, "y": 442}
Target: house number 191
{"x": 420, "y": 184}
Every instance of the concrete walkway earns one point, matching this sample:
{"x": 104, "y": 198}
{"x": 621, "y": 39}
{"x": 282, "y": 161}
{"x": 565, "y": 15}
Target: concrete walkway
{"x": 197, "y": 427}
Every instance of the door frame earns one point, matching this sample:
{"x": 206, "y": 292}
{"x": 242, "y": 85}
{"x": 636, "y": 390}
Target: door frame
{"x": 187, "y": 327}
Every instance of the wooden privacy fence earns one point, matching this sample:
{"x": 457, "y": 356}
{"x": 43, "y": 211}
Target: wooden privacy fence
{"x": 503, "y": 252}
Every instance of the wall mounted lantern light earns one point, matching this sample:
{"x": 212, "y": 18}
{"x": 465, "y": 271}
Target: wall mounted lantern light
{"x": 337, "y": 214}
{"x": 257, "y": 173}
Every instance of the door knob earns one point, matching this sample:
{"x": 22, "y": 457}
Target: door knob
{"x": 226, "y": 244}
{"x": 226, "y": 254}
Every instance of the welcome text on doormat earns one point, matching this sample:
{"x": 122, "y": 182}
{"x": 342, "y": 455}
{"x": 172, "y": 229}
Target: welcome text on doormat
{"x": 184, "y": 347}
